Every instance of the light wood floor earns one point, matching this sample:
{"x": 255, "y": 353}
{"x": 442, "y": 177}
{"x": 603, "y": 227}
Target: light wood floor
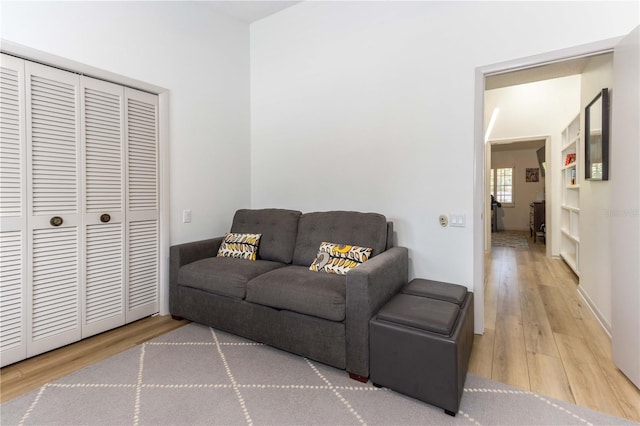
{"x": 541, "y": 336}
{"x": 22, "y": 377}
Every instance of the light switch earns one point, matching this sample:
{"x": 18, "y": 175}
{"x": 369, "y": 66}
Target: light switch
{"x": 186, "y": 216}
{"x": 458, "y": 220}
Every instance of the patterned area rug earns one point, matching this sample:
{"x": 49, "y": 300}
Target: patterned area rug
{"x": 196, "y": 375}
{"x": 514, "y": 239}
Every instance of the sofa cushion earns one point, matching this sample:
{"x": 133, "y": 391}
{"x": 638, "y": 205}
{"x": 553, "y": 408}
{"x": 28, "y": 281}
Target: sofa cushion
{"x": 278, "y": 227}
{"x": 339, "y": 259}
{"x": 240, "y": 246}
{"x": 297, "y": 289}
{"x": 225, "y": 276}
{"x": 341, "y": 227}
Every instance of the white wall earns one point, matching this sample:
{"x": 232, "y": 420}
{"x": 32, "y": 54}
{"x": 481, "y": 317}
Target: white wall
{"x": 595, "y": 205}
{"x": 201, "y": 57}
{"x": 542, "y": 108}
{"x": 370, "y": 106}
{"x": 516, "y": 218}
{"x": 625, "y": 208}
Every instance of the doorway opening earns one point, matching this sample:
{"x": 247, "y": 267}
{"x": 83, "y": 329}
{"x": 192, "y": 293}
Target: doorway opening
{"x": 548, "y": 66}
{"x": 516, "y": 185}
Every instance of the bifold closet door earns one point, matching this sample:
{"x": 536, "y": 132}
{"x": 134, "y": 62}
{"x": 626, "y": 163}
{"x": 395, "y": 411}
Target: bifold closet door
{"x": 104, "y": 206}
{"x": 13, "y": 233}
{"x": 54, "y": 219}
{"x": 79, "y": 207}
{"x": 121, "y": 205}
{"x": 143, "y": 205}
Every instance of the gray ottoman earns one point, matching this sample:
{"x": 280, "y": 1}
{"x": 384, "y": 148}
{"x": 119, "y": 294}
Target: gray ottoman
{"x": 421, "y": 340}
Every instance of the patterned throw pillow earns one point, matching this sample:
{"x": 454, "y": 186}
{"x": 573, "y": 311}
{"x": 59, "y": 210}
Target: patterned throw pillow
{"x": 339, "y": 258}
{"x": 240, "y": 246}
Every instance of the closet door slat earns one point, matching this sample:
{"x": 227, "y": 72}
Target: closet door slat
{"x": 11, "y": 138}
{"x": 103, "y": 151}
{"x": 55, "y": 290}
{"x": 143, "y": 153}
{"x": 54, "y": 144}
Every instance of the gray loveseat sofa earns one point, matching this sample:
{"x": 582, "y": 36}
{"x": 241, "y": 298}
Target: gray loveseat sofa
{"x": 277, "y": 300}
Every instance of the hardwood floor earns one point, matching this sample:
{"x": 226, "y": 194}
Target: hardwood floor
{"x": 541, "y": 336}
{"x": 24, "y": 376}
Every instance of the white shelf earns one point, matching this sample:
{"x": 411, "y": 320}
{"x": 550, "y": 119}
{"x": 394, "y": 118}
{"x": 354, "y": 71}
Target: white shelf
{"x": 573, "y": 209}
{"x": 570, "y": 201}
{"x": 571, "y": 144}
{"x": 573, "y": 238}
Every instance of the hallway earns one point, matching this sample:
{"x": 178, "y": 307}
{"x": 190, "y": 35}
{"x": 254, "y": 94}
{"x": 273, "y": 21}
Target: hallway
{"x": 541, "y": 336}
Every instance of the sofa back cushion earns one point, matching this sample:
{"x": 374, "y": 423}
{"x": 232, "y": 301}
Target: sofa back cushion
{"x": 340, "y": 227}
{"x": 278, "y": 227}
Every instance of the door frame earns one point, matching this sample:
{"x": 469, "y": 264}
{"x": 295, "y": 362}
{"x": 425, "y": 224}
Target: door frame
{"x": 479, "y": 150}
{"x": 548, "y": 184}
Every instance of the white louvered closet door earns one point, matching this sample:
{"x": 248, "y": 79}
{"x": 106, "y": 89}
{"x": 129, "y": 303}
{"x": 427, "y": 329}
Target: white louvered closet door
{"x": 54, "y": 218}
{"x": 13, "y": 212}
{"x": 143, "y": 204}
{"x": 79, "y": 207}
{"x": 104, "y": 206}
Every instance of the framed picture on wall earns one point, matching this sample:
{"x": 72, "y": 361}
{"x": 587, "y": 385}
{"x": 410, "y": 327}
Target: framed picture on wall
{"x": 596, "y": 137}
{"x": 533, "y": 174}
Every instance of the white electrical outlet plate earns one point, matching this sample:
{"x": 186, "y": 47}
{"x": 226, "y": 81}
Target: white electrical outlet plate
{"x": 444, "y": 220}
{"x": 186, "y": 216}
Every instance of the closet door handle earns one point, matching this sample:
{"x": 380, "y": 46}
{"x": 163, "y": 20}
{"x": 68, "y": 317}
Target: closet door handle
{"x": 56, "y": 221}
{"x": 104, "y": 218}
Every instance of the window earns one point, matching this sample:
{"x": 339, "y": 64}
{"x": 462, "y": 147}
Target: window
{"x": 502, "y": 185}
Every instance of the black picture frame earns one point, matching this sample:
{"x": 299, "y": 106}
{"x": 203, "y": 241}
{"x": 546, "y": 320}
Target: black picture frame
{"x": 596, "y": 137}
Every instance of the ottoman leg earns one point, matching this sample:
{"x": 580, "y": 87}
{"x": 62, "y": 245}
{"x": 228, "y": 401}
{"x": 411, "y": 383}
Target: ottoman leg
{"x": 451, "y": 413}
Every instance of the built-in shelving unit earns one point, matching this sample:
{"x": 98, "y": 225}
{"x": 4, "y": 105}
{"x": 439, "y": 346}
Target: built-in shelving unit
{"x": 570, "y": 205}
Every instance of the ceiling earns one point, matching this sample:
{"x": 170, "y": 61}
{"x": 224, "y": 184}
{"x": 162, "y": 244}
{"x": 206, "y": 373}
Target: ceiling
{"x": 249, "y": 11}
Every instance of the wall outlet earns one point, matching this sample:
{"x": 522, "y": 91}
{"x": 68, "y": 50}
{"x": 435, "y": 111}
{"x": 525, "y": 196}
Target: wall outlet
{"x": 186, "y": 216}
{"x": 444, "y": 220}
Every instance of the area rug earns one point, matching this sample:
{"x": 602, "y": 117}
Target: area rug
{"x": 199, "y": 376}
{"x": 514, "y": 239}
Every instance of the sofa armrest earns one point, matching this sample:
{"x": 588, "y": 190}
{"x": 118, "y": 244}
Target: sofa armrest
{"x": 369, "y": 287}
{"x": 183, "y": 254}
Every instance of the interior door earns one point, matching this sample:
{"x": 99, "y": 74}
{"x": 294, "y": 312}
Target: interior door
{"x": 54, "y": 219}
{"x": 13, "y": 211}
{"x": 143, "y": 204}
{"x": 625, "y": 200}
{"x": 104, "y": 206}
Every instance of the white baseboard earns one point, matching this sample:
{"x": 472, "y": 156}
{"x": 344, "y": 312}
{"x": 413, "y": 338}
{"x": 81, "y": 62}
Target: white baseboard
{"x": 605, "y": 326}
